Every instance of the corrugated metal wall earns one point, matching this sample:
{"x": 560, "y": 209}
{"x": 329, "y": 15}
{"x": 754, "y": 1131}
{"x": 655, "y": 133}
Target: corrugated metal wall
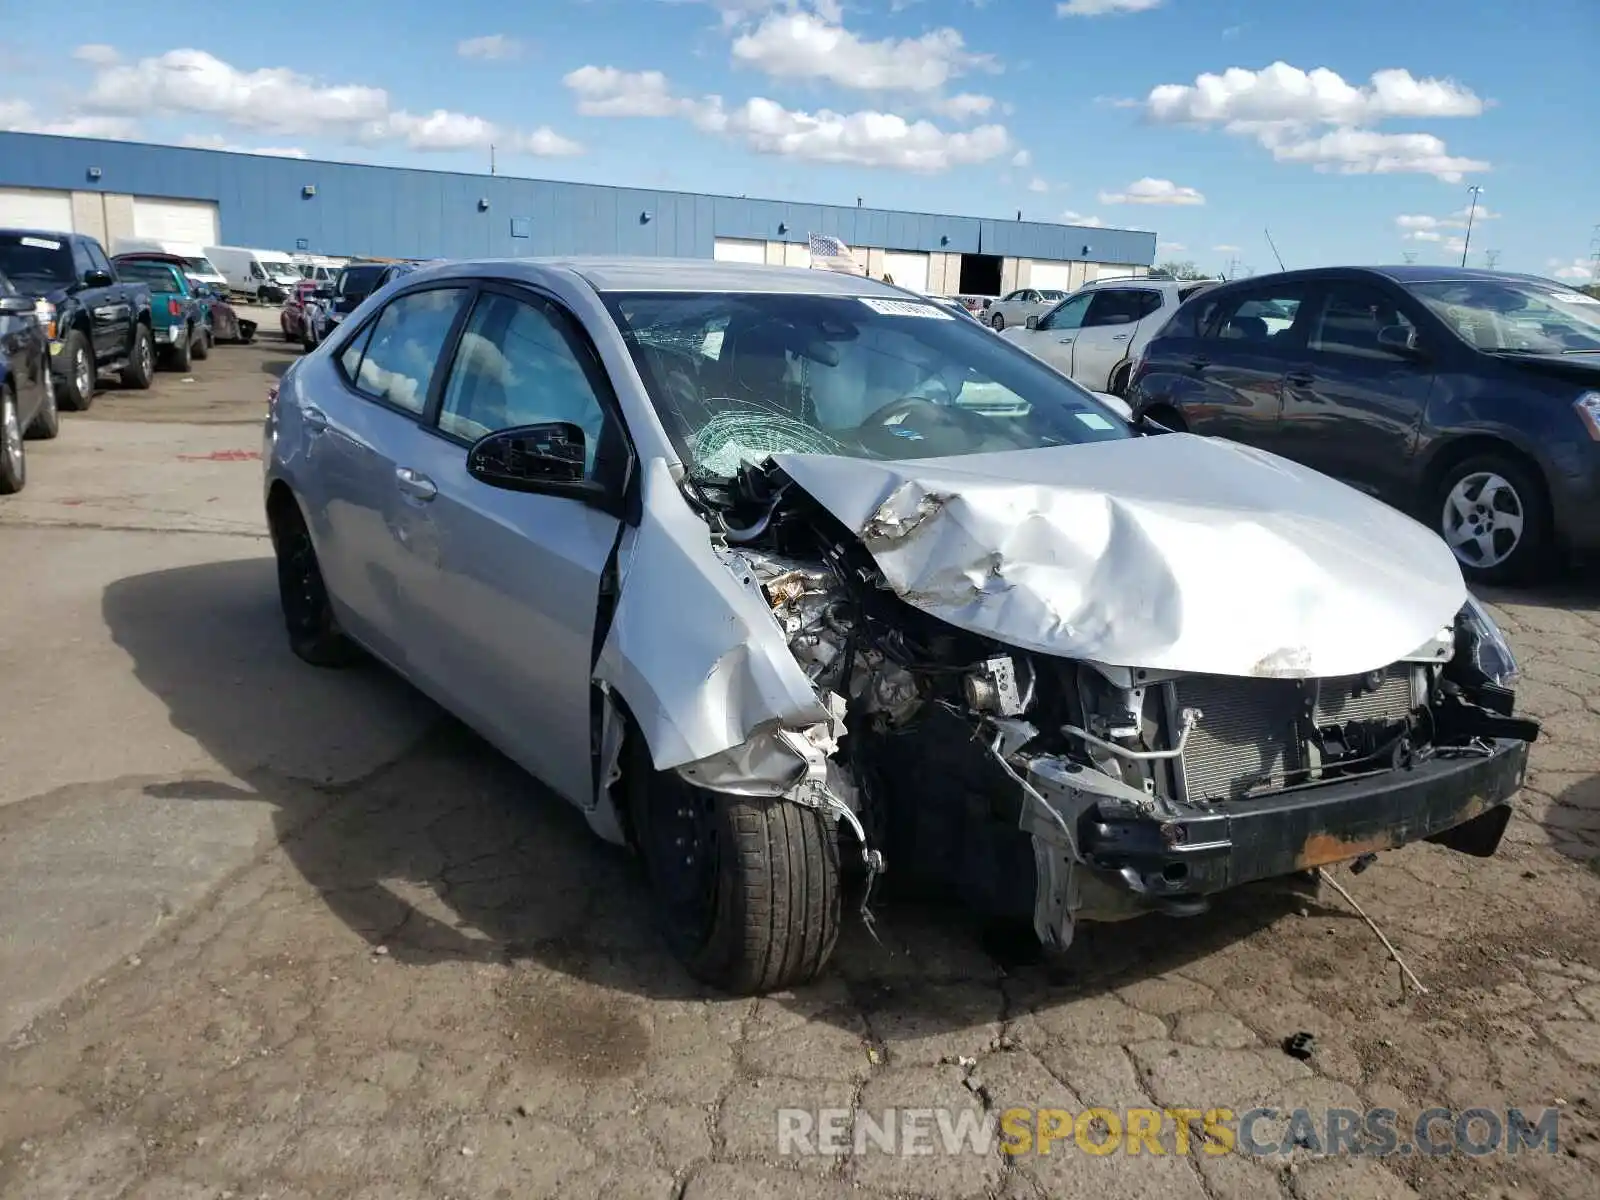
{"x": 394, "y": 212}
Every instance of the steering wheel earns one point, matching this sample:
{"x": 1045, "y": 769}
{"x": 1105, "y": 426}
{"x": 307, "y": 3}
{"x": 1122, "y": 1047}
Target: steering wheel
{"x": 905, "y": 405}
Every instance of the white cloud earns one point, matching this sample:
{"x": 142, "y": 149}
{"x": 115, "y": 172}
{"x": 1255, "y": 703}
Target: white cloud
{"x": 803, "y": 45}
{"x": 1072, "y": 218}
{"x": 1281, "y": 92}
{"x": 1099, "y": 8}
{"x": 1038, "y": 185}
{"x": 1022, "y": 158}
{"x": 279, "y": 100}
{"x": 1579, "y": 270}
{"x": 1414, "y": 221}
{"x": 1225, "y": 249}
{"x": 490, "y": 46}
{"x": 1425, "y": 235}
{"x": 1455, "y": 245}
{"x": 1170, "y": 248}
{"x": 97, "y": 53}
{"x": 1421, "y": 227}
{"x": 1153, "y": 191}
{"x": 966, "y": 106}
{"x": 865, "y": 138}
{"x": 1368, "y": 152}
{"x": 1281, "y": 106}
{"x": 608, "y": 92}
{"x": 215, "y": 141}
{"x": 19, "y": 116}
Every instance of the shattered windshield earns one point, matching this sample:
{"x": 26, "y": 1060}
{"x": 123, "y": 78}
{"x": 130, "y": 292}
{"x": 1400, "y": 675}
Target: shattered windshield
{"x": 1515, "y": 315}
{"x": 740, "y": 376}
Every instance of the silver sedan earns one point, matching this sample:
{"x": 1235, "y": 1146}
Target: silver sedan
{"x": 788, "y": 579}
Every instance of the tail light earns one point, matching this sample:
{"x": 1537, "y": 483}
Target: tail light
{"x": 174, "y": 308}
{"x": 272, "y": 395}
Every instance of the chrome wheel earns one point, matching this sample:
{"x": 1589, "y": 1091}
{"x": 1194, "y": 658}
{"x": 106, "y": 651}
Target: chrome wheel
{"x": 83, "y": 374}
{"x": 1483, "y": 519}
{"x": 11, "y": 439}
{"x": 146, "y": 359}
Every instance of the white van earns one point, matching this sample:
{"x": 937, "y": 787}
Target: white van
{"x": 264, "y": 275}
{"x": 196, "y": 265}
{"x": 316, "y": 267}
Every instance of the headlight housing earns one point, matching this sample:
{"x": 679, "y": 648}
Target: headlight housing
{"x": 1482, "y": 645}
{"x": 1587, "y": 407}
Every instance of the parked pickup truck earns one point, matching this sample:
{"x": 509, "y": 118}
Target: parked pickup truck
{"x": 179, "y": 318}
{"x": 94, "y": 321}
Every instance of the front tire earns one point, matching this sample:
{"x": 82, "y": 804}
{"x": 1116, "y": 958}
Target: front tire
{"x": 747, "y": 888}
{"x": 76, "y": 393}
{"x": 308, "y": 615}
{"x": 13, "y": 456}
{"x": 1493, "y": 513}
{"x": 140, "y": 372}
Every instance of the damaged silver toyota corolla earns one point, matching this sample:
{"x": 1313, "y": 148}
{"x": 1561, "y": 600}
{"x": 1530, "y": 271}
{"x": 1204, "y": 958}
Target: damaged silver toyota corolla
{"x": 756, "y": 565}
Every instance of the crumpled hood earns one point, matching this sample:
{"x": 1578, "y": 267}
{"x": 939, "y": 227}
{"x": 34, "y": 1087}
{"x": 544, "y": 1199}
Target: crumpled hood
{"x": 1172, "y": 552}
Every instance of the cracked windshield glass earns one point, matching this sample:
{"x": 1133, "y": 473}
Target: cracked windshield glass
{"x": 738, "y": 377}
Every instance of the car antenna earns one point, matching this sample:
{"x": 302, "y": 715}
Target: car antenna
{"x": 1274, "y": 246}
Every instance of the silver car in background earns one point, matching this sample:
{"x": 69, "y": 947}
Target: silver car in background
{"x": 753, "y": 565}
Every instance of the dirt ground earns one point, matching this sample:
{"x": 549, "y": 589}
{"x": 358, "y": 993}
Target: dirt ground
{"x": 429, "y": 980}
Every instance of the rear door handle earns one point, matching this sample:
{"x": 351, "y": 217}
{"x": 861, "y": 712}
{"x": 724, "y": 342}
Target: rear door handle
{"x": 1065, "y": 341}
{"x": 316, "y": 420}
{"x": 1119, "y": 337}
{"x": 1300, "y": 378}
{"x": 415, "y": 484}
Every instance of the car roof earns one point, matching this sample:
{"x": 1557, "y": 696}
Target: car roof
{"x": 1407, "y": 273}
{"x": 55, "y": 235}
{"x": 681, "y": 275}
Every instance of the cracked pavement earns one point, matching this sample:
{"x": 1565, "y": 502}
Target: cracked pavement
{"x": 354, "y": 953}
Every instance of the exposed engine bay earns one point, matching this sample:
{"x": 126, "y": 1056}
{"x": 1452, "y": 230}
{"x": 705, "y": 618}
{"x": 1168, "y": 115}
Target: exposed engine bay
{"x": 1054, "y": 789}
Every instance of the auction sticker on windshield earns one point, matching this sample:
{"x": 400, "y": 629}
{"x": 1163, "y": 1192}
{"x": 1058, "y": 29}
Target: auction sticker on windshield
{"x": 1095, "y": 421}
{"x": 906, "y": 308}
{"x": 40, "y": 243}
{"x": 1575, "y": 298}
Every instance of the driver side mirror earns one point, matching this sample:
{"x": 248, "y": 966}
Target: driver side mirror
{"x": 1033, "y": 321}
{"x": 96, "y": 278}
{"x": 548, "y": 457}
{"x": 1401, "y": 339}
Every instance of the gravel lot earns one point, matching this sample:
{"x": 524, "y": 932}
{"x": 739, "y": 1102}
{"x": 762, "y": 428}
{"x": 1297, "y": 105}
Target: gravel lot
{"x": 267, "y": 931}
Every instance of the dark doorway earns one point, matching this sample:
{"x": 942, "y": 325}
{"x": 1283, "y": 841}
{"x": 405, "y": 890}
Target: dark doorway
{"x": 980, "y": 275}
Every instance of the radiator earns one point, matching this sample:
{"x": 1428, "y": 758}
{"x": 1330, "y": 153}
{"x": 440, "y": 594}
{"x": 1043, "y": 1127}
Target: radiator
{"x": 1246, "y": 741}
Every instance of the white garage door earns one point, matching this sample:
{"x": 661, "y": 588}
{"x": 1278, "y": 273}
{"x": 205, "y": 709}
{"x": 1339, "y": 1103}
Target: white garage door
{"x": 1117, "y": 271}
{"x": 1056, "y": 275}
{"x": 191, "y": 221}
{"x": 740, "y": 250}
{"x": 796, "y": 254}
{"x": 908, "y": 270}
{"x": 32, "y": 208}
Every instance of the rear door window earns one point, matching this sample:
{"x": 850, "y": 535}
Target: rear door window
{"x": 1116, "y": 306}
{"x": 1268, "y": 316}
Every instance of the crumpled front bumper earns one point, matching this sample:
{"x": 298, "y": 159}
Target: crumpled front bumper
{"x": 1128, "y": 861}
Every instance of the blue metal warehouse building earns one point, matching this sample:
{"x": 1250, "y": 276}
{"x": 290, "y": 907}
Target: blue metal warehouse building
{"x": 115, "y": 190}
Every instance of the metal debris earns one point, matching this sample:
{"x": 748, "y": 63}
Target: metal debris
{"x": 1299, "y": 1045}
{"x": 1387, "y": 944}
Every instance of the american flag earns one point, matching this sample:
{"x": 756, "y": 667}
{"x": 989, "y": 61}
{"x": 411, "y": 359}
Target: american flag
{"x": 828, "y": 253}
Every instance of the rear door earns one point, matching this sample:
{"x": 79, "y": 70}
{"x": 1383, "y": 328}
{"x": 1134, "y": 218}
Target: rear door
{"x": 1252, "y": 339}
{"x": 1108, "y": 331}
{"x": 508, "y": 583}
{"x": 359, "y": 413}
{"x": 1354, "y": 407}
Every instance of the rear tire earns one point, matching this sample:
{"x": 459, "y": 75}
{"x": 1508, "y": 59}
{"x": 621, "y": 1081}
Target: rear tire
{"x": 1165, "y": 414}
{"x": 308, "y": 615}
{"x": 46, "y": 423}
{"x": 13, "y": 455}
{"x": 997, "y": 322}
{"x": 140, "y": 372}
{"x": 202, "y": 344}
{"x": 1119, "y": 381}
{"x": 76, "y": 392}
{"x": 747, "y": 888}
{"x": 1481, "y": 493}
{"x": 181, "y": 357}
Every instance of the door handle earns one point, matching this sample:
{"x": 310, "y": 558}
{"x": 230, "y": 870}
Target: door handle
{"x": 1199, "y": 364}
{"x": 1066, "y": 341}
{"x": 1119, "y": 337}
{"x": 415, "y": 484}
{"x": 316, "y": 420}
{"x": 1300, "y": 378}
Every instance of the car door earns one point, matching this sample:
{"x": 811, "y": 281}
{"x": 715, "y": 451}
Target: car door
{"x": 110, "y": 314}
{"x": 1052, "y": 339}
{"x": 1232, "y": 386}
{"x": 1107, "y": 333}
{"x": 509, "y": 582}
{"x": 359, "y": 412}
{"x": 1354, "y": 407}
{"x": 22, "y": 347}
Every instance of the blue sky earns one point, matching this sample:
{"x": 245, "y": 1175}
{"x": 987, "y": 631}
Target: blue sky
{"x": 1353, "y": 130}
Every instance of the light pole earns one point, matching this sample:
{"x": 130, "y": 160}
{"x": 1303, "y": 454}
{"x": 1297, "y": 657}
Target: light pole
{"x": 1471, "y": 212}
